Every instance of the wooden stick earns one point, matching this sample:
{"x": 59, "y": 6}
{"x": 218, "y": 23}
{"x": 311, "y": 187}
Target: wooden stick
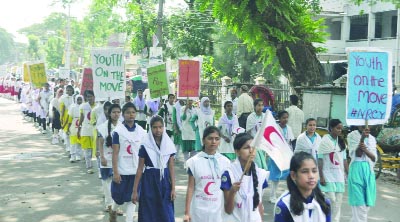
{"x": 246, "y": 168}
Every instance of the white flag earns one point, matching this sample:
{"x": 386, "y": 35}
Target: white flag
{"x": 270, "y": 139}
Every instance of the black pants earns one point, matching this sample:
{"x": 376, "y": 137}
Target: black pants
{"x": 243, "y": 119}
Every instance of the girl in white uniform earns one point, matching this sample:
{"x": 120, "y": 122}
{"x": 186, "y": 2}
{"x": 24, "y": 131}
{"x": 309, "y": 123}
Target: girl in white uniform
{"x": 44, "y": 101}
{"x": 204, "y": 198}
{"x": 73, "y": 125}
{"x": 304, "y": 202}
{"x": 243, "y": 194}
{"x": 309, "y": 140}
{"x": 202, "y": 118}
{"x": 228, "y": 124}
{"x": 105, "y": 131}
{"x": 126, "y": 141}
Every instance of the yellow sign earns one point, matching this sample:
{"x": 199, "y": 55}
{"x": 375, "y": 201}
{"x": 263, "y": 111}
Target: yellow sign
{"x": 26, "y": 73}
{"x": 37, "y": 73}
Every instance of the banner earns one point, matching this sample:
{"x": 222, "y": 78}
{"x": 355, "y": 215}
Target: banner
{"x": 26, "y": 77}
{"x": 369, "y": 86}
{"x": 87, "y": 80}
{"x": 189, "y": 79}
{"x": 158, "y": 81}
{"x": 63, "y": 73}
{"x": 270, "y": 139}
{"x": 108, "y": 73}
{"x": 37, "y": 73}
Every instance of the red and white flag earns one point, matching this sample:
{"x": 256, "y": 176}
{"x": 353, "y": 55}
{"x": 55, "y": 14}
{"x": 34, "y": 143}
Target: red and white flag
{"x": 270, "y": 139}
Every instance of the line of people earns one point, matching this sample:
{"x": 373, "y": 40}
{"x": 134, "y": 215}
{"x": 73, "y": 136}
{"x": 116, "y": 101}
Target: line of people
{"x": 138, "y": 166}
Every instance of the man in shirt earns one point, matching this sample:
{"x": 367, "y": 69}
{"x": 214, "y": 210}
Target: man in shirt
{"x": 244, "y": 106}
{"x": 296, "y": 117}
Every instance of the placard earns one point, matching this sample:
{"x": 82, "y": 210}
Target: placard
{"x": 189, "y": 79}
{"x": 37, "y": 73}
{"x": 369, "y": 86}
{"x": 158, "y": 81}
{"x": 26, "y": 77}
{"x": 87, "y": 80}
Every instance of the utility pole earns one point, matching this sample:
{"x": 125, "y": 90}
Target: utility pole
{"x": 67, "y": 64}
{"x": 160, "y": 21}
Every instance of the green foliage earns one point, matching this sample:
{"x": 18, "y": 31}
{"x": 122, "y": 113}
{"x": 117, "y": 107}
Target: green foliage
{"x": 7, "y": 46}
{"x": 209, "y": 72}
{"x": 34, "y": 47}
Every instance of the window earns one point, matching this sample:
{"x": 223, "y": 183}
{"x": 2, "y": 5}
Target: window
{"x": 359, "y": 27}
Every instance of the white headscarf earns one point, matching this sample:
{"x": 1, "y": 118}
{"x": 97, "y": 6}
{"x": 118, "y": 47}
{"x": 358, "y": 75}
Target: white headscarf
{"x": 205, "y": 110}
{"x": 178, "y": 108}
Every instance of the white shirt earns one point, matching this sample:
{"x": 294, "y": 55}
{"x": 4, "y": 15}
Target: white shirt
{"x": 296, "y": 119}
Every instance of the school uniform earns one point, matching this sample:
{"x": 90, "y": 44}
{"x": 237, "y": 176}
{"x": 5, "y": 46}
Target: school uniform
{"x": 333, "y": 170}
{"x": 86, "y": 133}
{"x": 106, "y": 171}
{"x": 361, "y": 178}
{"x": 199, "y": 122}
{"x": 243, "y": 210}
{"x": 140, "y": 105}
{"x": 166, "y": 113}
{"x": 177, "y": 123}
{"x": 188, "y": 134}
{"x": 308, "y": 144}
{"x": 312, "y": 211}
{"x": 228, "y": 125}
{"x": 207, "y": 201}
{"x": 253, "y": 124}
{"x": 155, "y": 202}
{"x": 73, "y": 120}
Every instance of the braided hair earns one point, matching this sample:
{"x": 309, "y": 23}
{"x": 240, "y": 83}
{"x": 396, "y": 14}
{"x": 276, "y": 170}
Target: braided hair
{"x": 109, "y": 138}
{"x": 238, "y": 143}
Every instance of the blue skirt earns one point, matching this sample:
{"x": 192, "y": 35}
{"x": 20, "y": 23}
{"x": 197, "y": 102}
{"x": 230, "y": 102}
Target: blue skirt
{"x": 122, "y": 192}
{"x": 155, "y": 202}
{"x": 275, "y": 173}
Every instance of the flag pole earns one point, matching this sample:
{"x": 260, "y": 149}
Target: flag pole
{"x": 246, "y": 167}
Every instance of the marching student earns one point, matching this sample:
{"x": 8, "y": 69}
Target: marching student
{"x": 361, "y": 178}
{"x": 332, "y": 166}
{"x": 275, "y": 173}
{"x": 309, "y": 140}
{"x": 204, "y": 198}
{"x": 304, "y": 202}
{"x": 73, "y": 125}
{"x": 98, "y": 116}
{"x": 140, "y": 104}
{"x": 188, "y": 134}
{"x": 243, "y": 190}
{"x": 44, "y": 101}
{"x": 126, "y": 141}
{"x": 55, "y": 110}
{"x": 253, "y": 124}
{"x": 166, "y": 113}
{"x": 156, "y": 175}
{"x": 201, "y": 119}
{"x": 105, "y": 131}
{"x": 65, "y": 102}
{"x": 151, "y": 109}
{"x": 227, "y": 124}
{"x": 85, "y": 130}
{"x": 177, "y": 121}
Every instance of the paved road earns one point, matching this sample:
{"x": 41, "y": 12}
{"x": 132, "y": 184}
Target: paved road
{"x": 39, "y": 184}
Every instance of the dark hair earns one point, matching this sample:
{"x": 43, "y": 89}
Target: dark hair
{"x": 310, "y": 119}
{"x": 333, "y": 123}
{"x": 112, "y": 106}
{"x": 88, "y": 92}
{"x": 296, "y": 198}
{"x": 127, "y": 106}
{"x": 281, "y": 113}
{"x": 155, "y": 119}
{"x": 210, "y": 129}
{"x": 238, "y": 143}
{"x": 226, "y": 103}
{"x": 69, "y": 86}
{"x": 106, "y": 104}
{"x": 294, "y": 99}
{"x": 256, "y": 101}
{"x": 169, "y": 95}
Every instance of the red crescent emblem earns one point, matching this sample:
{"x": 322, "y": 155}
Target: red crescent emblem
{"x": 332, "y": 158}
{"x": 77, "y": 123}
{"x": 128, "y": 149}
{"x": 268, "y": 131}
{"x": 207, "y": 187}
{"x": 88, "y": 116}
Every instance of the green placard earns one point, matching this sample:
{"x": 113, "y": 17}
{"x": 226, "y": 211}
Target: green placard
{"x": 37, "y": 74}
{"x": 158, "y": 81}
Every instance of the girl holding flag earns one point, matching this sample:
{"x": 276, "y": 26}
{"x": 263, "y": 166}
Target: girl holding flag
{"x": 156, "y": 175}
{"x": 332, "y": 166}
{"x": 204, "y": 197}
{"x": 276, "y": 174}
{"x": 243, "y": 188}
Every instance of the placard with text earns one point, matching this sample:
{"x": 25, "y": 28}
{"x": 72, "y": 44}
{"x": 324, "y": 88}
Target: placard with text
{"x": 189, "y": 79}
{"x": 158, "y": 81}
{"x": 37, "y": 73}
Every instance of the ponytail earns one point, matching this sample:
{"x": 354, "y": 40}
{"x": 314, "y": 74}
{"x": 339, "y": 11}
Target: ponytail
{"x": 256, "y": 196}
{"x": 109, "y": 139}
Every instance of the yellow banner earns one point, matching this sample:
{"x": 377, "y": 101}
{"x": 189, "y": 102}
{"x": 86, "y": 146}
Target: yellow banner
{"x": 38, "y": 74}
{"x": 26, "y": 73}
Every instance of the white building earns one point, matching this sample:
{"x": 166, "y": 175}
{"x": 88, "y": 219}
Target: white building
{"x": 349, "y": 25}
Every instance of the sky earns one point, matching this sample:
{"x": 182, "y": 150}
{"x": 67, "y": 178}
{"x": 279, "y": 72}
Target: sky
{"x": 17, "y": 14}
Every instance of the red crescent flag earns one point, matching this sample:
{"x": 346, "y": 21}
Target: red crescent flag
{"x": 270, "y": 139}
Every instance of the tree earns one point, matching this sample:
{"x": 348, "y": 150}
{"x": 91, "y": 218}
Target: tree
{"x": 7, "y": 47}
{"x": 282, "y": 29}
